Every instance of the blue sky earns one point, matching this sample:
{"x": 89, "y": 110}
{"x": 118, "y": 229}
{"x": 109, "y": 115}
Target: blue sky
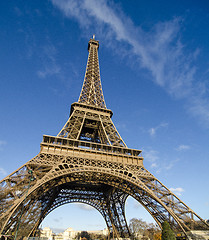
{"x": 154, "y": 63}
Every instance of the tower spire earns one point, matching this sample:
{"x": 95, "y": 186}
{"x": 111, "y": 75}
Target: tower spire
{"x": 91, "y": 93}
{"x": 88, "y": 162}
{"x": 89, "y": 119}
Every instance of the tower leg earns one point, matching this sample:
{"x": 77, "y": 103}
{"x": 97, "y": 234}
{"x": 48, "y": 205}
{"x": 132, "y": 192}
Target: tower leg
{"x": 116, "y": 211}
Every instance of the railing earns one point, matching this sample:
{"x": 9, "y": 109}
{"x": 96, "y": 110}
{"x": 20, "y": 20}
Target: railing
{"x": 90, "y": 145}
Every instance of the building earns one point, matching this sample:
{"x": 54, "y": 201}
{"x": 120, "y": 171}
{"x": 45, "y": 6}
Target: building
{"x": 68, "y": 234}
{"x": 47, "y": 233}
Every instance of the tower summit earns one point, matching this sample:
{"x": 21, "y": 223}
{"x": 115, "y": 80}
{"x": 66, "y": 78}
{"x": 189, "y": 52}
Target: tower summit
{"x": 91, "y": 92}
{"x": 90, "y": 120}
{"x": 88, "y": 162}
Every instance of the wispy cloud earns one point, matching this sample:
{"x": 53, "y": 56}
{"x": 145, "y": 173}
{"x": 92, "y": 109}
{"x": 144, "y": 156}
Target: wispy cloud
{"x": 3, "y": 171}
{"x": 18, "y": 11}
{"x": 137, "y": 204}
{"x": 168, "y": 165}
{"x": 48, "y": 70}
{"x": 156, "y": 161}
{"x": 153, "y": 165}
{"x": 133, "y": 202}
{"x": 183, "y": 147}
{"x": 122, "y": 126}
{"x": 56, "y": 219}
{"x": 152, "y": 131}
{"x": 50, "y": 67}
{"x": 177, "y": 191}
{"x": 160, "y": 50}
{"x": 84, "y": 206}
{"x": 152, "y": 157}
{"x": 2, "y": 144}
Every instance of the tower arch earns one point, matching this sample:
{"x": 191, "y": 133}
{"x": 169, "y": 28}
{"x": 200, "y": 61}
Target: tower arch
{"x": 89, "y": 161}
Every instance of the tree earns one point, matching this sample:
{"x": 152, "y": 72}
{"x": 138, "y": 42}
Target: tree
{"x": 83, "y": 235}
{"x": 157, "y": 236}
{"x": 137, "y": 226}
{"x": 152, "y": 230}
{"x": 97, "y": 236}
{"x": 145, "y": 230}
{"x": 167, "y": 233}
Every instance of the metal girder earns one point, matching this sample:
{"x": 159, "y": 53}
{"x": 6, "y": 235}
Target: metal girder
{"x": 116, "y": 210}
{"x": 124, "y": 179}
{"x": 91, "y": 125}
{"x": 91, "y": 93}
{"x": 89, "y": 162}
{"x": 90, "y": 120}
{"x": 100, "y": 196}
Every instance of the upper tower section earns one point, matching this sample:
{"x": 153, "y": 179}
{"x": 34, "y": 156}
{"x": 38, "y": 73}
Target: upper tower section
{"x": 91, "y": 93}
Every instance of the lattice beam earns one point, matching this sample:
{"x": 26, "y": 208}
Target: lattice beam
{"x": 88, "y": 162}
{"x": 91, "y": 93}
{"x": 127, "y": 179}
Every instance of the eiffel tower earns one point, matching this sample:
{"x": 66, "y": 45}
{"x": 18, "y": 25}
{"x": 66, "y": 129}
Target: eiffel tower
{"x": 88, "y": 162}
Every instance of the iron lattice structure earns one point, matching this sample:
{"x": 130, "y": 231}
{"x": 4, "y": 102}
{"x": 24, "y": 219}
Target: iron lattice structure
{"x": 88, "y": 162}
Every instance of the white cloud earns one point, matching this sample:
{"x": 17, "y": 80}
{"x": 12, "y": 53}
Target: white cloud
{"x": 133, "y": 202}
{"x": 177, "y": 191}
{"x": 122, "y": 126}
{"x": 84, "y": 206}
{"x": 156, "y": 161}
{"x": 171, "y": 164}
{"x": 160, "y": 50}
{"x": 2, "y": 144}
{"x": 183, "y": 147}
{"x": 151, "y": 156}
{"x": 50, "y": 67}
{"x": 18, "y": 11}
{"x": 153, "y": 165}
{"x": 48, "y": 71}
{"x": 137, "y": 204}
{"x": 3, "y": 171}
{"x": 152, "y": 131}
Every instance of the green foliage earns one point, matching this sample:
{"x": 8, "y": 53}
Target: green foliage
{"x": 96, "y": 236}
{"x": 83, "y": 235}
{"x": 167, "y": 233}
{"x": 90, "y": 236}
